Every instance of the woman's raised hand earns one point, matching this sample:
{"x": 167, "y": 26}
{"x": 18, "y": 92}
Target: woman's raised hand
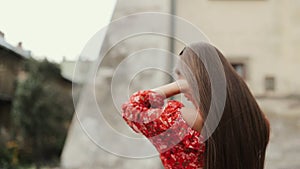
{"x": 173, "y": 88}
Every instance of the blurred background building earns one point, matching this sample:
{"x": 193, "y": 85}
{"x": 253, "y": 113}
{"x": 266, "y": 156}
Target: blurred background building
{"x": 260, "y": 38}
{"x": 35, "y": 101}
{"x": 11, "y": 70}
{"x": 78, "y": 144}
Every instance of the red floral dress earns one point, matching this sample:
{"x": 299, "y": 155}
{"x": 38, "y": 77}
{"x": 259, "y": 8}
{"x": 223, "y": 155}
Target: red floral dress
{"x": 180, "y": 146}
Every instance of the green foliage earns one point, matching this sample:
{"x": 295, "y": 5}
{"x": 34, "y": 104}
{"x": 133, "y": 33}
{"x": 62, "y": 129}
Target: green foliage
{"x": 45, "y": 69}
{"x": 41, "y": 112}
{"x": 8, "y": 155}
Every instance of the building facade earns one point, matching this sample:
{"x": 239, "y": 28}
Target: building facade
{"x": 84, "y": 145}
{"x": 260, "y": 38}
{"x": 11, "y": 70}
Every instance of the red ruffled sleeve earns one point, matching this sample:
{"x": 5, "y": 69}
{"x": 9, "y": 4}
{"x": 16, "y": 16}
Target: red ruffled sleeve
{"x": 145, "y": 113}
{"x": 165, "y": 127}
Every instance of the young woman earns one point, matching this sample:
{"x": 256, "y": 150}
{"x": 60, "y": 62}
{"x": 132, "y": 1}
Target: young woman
{"x": 239, "y": 140}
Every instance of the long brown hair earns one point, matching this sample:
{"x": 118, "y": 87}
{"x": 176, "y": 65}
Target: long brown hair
{"x": 242, "y": 135}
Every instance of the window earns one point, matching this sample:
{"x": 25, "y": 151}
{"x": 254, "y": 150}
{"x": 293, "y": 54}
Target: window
{"x": 240, "y": 69}
{"x": 240, "y": 65}
{"x": 270, "y": 83}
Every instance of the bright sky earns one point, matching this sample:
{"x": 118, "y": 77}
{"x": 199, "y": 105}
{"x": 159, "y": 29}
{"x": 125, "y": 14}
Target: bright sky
{"x": 53, "y": 28}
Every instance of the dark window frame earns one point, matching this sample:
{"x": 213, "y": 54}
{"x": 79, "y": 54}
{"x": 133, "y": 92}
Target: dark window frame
{"x": 244, "y": 62}
{"x": 270, "y": 83}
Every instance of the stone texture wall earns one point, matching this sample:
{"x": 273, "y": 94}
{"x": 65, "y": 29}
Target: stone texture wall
{"x": 84, "y": 146}
{"x": 263, "y": 34}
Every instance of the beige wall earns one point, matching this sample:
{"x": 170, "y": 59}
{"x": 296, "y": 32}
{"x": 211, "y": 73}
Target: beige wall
{"x": 263, "y": 33}
{"x": 79, "y": 151}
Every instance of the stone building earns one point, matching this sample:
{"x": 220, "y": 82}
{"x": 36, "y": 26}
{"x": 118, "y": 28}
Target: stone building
{"x": 12, "y": 71}
{"x": 83, "y": 145}
{"x": 260, "y": 38}
{"x": 11, "y": 62}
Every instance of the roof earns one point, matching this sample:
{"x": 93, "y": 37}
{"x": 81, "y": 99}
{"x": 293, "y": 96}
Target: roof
{"x": 18, "y": 51}
{"x": 15, "y": 52}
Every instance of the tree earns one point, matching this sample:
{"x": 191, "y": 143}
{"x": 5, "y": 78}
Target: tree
{"x": 40, "y": 113}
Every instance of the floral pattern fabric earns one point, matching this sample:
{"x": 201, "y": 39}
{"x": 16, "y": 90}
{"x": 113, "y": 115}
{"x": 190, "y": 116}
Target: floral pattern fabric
{"x": 180, "y": 146}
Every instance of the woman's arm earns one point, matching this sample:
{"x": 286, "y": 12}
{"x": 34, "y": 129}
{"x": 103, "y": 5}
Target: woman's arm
{"x": 190, "y": 115}
{"x": 172, "y": 89}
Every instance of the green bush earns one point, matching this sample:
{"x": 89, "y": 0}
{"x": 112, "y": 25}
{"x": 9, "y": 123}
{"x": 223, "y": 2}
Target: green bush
{"x": 41, "y": 113}
{"x": 8, "y": 155}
